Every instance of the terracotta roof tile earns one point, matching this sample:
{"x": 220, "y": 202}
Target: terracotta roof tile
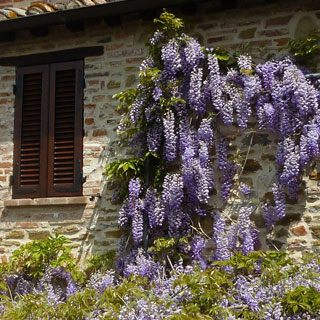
{"x": 41, "y": 7}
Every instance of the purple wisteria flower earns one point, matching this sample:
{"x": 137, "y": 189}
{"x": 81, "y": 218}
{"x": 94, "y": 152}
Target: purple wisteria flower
{"x": 215, "y": 83}
{"x": 244, "y": 188}
{"x": 156, "y": 93}
{"x": 101, "y": 281}
{"x": 157, "y": 37}
{"x": 171, "y": 58}
{"x": 153, "y": 207}
{"x": 197, "y": 246}
{"x": 137, "y": 108}
{"x": 280, "y": 200}
{"x": 196, "y": 97}
{"x": 222, "y": 151}
{"x": 191, "y": 55}
{"x": 170, "y": 145}
{"x": 227, "y": 180}
{"x": 154, "y": 137}
{"x": 205, "y": 131}
{"x": 244, "y": 62}
{"x": 270, "y": 216}
{"x": 172, "y": 194}
{"x": 219, "y": 238}
{"x": 246, "y": 230}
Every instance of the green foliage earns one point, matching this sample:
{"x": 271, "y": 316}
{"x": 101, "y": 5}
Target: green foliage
{"x": 124, "y": 168}
{"x": 31, "y": 306}
{"x": 301, "y": 299}
{"x": 126, "y": 98}
{"x": 127, "y": 168}
{"x": 101, "y": 262}
{"x": 164, "y": 249}
{"x": 169, "y": 23}
{"x": 33, "y": 257}
{"x": 270, "y": 262}
{"x": 149, "y": 76}
{"x": 208, "y": 288}
{"x": 306, "y": 50}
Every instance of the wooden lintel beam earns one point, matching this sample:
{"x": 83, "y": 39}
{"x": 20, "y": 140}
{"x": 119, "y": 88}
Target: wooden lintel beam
{"x": 52, "y": 57}
{"x": 7, "y": 36}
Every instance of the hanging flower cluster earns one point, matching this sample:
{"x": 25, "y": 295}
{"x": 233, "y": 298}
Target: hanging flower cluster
{"x": 183, "y": 97}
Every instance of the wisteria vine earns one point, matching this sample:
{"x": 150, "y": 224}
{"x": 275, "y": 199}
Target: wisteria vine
{"x": 184, "y": 96}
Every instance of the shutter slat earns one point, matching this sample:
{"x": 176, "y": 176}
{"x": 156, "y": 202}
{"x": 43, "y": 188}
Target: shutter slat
{"x": 32, "y": 87}
{"x": 64, "y": 93}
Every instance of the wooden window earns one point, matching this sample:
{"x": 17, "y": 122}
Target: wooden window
{"x": 48, "y": 131}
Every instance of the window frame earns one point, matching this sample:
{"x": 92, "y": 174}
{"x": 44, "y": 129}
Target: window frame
{"x": 46, "y": 186}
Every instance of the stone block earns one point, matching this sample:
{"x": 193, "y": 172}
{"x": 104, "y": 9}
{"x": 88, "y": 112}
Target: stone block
{"x": 103, "y": 243}
{"x": 247, "y": 34}
{"x": 86, "y": 236}
{"x": 27, "y": 225}
{"x": 281, "y": 42}
{"x": 274, "y": 32}
{"x": 279, "y": 21}
{"x": 251, "y": 166}
{"x": 68, "y": 229}
{"x": 99, "y": 133}
{"x": 296, "y": 244}
{"x": 315, "y": 230}
{"x": 38, "y": 234}
{"x": 282, "y": 232}
{"x": 113, "y": 84}
{"x": 9, "y": 243}
{"x": 268, "y": 157}
{"x": 114, "y": 234}
{"x": 15, "y": 234}
{"x": 258, "y": 139}
{"x": 299, "y": 231}
{"x": 130, "y": 80}
{"x": 289, "y": 218}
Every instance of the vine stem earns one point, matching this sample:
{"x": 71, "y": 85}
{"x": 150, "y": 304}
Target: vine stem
{"x": 171, "y": 265}
{"x": 242, "y": 169}
{"x": 201, "y": 232}
{"x": 200, "y": 227}
{"x": 247, "y": 155}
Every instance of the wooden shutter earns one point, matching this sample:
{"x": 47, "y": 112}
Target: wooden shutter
{"x": 30, "y": 145}
{"x": 65, "y": 129}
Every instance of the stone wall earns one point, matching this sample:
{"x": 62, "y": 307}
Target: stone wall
{"x": 92, "y": 224}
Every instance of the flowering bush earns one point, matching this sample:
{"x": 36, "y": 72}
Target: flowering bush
{"x": 260, "y": 285}
{"x": 173, "y": 121}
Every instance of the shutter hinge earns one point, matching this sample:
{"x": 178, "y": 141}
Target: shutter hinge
{"x": 11, "y": 180}
{"x": 93, "y": 196}
{"x": 14, "y": 89}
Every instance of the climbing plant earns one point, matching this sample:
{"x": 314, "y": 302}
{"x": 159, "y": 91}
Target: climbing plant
{"x": 173, "y": 120}
{"x": 306, "y": 51}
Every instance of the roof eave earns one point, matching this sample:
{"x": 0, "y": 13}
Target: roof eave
{"x": 80, "y": 14}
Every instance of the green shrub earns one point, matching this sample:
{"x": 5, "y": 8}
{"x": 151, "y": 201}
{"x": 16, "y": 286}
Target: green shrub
{"x": 34, "y": 257}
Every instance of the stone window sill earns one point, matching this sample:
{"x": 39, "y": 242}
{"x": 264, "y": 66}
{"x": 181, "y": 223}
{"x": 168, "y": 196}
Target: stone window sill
{"x": 47, "y": 201}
